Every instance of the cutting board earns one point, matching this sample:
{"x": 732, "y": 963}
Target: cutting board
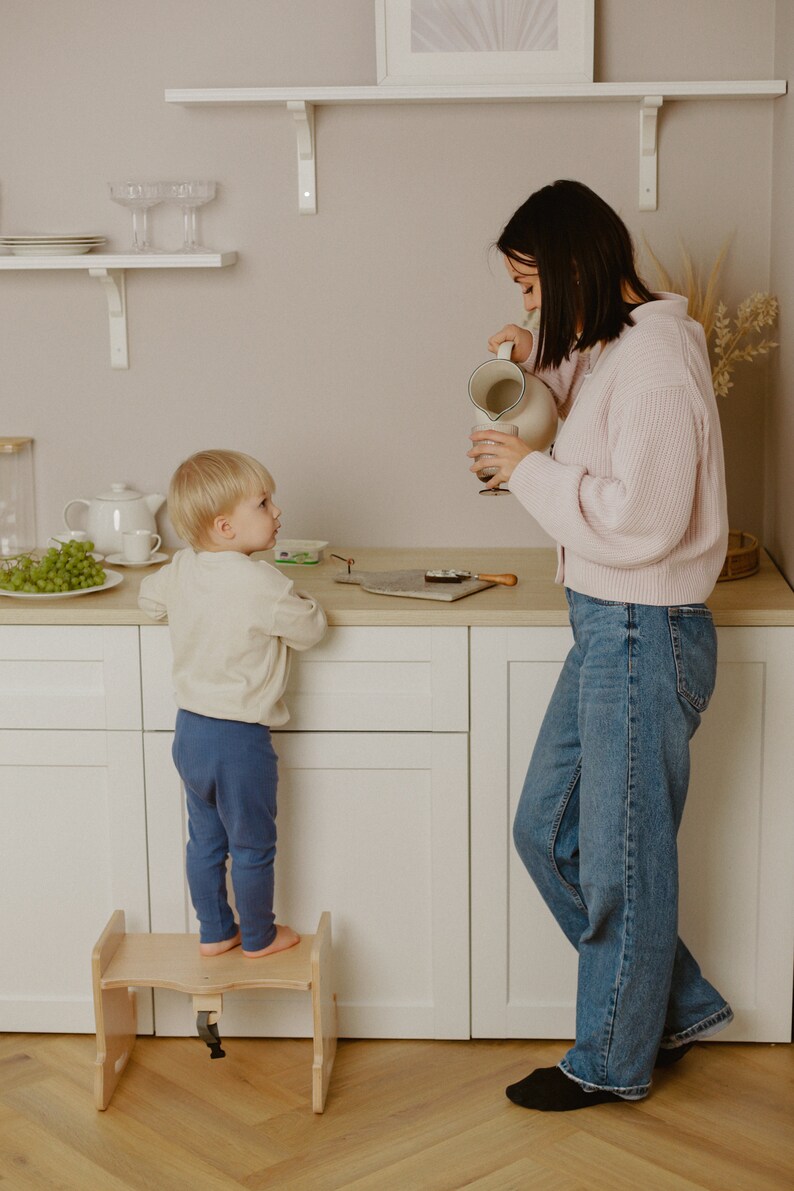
{"x": 412, "y": 583}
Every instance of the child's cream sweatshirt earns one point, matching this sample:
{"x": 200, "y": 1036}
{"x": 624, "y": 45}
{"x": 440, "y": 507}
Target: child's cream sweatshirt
{"x": 233, "y": 622}
{"x": 634, "y": 490}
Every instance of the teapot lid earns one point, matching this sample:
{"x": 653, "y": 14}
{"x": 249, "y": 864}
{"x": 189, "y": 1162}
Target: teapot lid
{"x": 119, "y": 492}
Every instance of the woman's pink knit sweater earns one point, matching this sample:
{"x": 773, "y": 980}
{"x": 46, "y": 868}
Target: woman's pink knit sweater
{"x": 634, "y": 490}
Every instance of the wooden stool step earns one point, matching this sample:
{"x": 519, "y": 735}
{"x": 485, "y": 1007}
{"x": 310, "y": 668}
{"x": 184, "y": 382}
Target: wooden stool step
{"x": 121, "y": 962}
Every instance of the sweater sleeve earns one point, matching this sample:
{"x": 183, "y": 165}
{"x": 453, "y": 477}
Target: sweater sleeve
{"x": 297, "y": 619}
{"x": 636, "y": 515}
{"x": 152, "y": 594}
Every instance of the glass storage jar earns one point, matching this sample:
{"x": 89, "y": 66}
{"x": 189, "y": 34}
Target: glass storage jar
{"x": 17, "y": 507}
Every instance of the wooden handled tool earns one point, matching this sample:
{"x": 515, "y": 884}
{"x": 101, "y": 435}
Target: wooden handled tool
{"x": 459, "y": 576}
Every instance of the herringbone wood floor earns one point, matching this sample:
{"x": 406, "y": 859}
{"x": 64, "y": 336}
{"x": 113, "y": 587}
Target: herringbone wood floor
{"x": 400, "y": 1116}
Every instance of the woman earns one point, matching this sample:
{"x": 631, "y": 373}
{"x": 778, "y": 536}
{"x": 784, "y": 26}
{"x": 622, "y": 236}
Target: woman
{"x": 634, "y": 494}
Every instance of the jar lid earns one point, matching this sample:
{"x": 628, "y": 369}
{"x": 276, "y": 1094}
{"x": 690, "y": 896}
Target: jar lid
{"x": 119, "y": 492}
{"x": 12, "y": 445}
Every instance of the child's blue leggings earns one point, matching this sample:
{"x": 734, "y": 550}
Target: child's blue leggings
{"x": 230, "y": 773}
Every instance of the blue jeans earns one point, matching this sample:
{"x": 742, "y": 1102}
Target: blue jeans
{"x": 230, "y": 773}
{"x": 596, "y": 828}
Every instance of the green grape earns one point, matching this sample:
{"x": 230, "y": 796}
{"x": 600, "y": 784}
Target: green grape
{"x": 70, "y": 568}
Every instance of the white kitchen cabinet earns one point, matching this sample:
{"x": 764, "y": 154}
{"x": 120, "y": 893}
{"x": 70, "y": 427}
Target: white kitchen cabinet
{"x": 373, "y": 826}
{"x": 737, "y": 913}
{"x": 375, "y": 808}
{"x": 69, "y": 676}
{"x": 74, "y": 832}
{"x": 356, "y": 680}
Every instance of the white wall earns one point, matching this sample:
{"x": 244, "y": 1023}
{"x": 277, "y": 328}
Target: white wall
{"x": 338, "y": 348}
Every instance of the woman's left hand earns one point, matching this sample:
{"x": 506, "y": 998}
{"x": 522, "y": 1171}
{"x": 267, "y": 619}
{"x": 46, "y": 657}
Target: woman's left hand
{"x": 504, "y": 451}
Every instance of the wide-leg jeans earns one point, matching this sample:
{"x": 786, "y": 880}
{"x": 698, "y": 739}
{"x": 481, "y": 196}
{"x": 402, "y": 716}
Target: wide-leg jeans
{"x": 596, "y": 828}
{"x": 230, "y": 773}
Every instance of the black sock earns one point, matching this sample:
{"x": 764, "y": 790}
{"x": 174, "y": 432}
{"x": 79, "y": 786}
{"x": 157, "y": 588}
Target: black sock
{"x": 548, "y": 1089}
{"x": 669, "y": 1055}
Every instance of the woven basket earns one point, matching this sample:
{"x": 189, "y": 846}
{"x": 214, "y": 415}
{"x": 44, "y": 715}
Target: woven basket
{"x": 743, "y": 557}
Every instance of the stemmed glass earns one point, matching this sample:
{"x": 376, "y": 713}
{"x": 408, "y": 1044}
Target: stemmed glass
{"x": 139, "y": 196}
{"x": 190, "y": 196}
{"x": 486, "y": 471}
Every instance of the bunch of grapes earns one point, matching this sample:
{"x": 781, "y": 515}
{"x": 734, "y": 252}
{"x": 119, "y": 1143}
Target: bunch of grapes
{"x": 70, "y": 568}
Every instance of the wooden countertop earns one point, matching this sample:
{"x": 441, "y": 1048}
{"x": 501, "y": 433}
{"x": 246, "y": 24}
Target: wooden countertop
{"x": 762, "y": 599}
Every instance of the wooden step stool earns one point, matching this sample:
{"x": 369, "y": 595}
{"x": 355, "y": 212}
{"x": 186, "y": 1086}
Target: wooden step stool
{"x": 122, "y": 962}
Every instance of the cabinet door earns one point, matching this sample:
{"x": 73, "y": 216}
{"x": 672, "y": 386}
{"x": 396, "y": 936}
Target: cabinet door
{"x": 372, "y": 827}
{"x": 736, "y": 840}
{"x": 73, "y": 851}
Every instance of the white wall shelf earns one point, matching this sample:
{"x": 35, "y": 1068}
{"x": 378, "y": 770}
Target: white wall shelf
{"x": 301, "y": 102}
{"x": 110, "y": 270}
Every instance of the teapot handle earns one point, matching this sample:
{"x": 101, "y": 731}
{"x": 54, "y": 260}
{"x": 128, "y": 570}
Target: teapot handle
{"x": 66, "y": 508}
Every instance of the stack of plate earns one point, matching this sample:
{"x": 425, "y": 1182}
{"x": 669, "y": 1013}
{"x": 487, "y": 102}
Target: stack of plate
{"x": 34, "y": 245}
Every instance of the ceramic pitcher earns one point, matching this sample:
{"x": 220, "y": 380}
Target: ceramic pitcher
{"x": 505, "y": 393}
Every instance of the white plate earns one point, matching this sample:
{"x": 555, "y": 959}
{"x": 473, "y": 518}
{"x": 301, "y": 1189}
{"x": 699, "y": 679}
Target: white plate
{"x": 112, "y": 579}
{"x": 119, "y": 560}
{"x": 46, "y": 239}
{"x": 50, "y": 249}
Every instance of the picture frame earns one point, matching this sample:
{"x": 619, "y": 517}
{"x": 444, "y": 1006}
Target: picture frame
{"x": 426, "y": 42}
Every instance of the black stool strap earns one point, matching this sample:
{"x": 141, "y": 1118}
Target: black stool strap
{"x": 209, "y": 1033}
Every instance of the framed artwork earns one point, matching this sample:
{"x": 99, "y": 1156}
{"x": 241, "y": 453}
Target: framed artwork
{"x": 421, "y": 42}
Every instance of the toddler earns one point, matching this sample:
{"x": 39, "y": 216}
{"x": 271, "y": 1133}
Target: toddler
{"x": 233, "y": 621}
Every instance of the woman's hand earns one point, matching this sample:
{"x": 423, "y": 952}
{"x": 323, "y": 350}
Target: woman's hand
{"x": 521, "y": 337}
{"x": 504, "y": 451}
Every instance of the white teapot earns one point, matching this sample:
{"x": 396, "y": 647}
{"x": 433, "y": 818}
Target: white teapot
{"x": 112, "y": 513}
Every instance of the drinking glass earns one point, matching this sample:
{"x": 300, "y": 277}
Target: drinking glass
{"x": 189, "y": 196}
{"x": 139, "y": 197}
{"x": 485, "y": 472}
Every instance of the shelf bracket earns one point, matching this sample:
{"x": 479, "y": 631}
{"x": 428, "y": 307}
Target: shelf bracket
{"x": 649, "y": 114}
{"x": 303, "y": 115}
{"x": 112, "y": 281}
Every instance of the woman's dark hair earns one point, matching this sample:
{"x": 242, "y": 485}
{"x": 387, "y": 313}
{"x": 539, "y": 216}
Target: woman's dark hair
{"x": 585, "y": 260}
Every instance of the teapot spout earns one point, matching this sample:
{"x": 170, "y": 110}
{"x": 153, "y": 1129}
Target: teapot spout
{"x": 154, "y": 501}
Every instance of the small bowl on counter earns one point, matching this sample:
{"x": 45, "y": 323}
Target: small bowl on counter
{"x": 299, "y": 552}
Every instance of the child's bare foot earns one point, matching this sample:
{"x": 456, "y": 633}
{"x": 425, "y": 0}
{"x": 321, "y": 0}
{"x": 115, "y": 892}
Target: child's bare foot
{"x": 219, "y": 948}
{"x": 285, "y": 937}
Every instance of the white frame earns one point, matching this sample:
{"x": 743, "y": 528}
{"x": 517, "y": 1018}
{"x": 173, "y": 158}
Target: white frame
{"x": 398, "y": 65}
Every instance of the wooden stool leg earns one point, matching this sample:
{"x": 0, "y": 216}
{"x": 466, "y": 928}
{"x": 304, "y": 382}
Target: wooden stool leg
{"x": 115, "y": 1015}
{"x": 323, "y": 1012}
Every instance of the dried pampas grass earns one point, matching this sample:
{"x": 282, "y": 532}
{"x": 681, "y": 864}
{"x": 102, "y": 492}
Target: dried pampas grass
{"x": 729, "y": 341}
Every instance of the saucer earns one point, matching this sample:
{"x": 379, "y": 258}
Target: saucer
{"x": 119, "y": 560}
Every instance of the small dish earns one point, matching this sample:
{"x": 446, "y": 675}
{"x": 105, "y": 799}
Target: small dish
{"x": 119, "y": 560}
{"x": 300, "y": 552}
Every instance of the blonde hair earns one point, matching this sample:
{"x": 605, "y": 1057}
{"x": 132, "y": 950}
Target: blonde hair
{"x": 211, "y": 483}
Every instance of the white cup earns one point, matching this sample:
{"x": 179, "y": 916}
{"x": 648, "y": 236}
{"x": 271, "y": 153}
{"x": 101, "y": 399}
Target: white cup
{"x": 71, "y": 535}
{"x": 486, "y": 472}
{"x": 138, "y": 545}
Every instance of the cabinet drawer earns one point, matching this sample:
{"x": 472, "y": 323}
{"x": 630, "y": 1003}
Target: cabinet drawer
{"x": 81, "y": 676}
{"x": 356, "y": 679}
